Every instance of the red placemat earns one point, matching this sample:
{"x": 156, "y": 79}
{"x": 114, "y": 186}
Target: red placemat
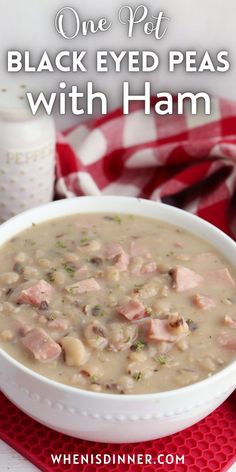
{"x": 208, "y": 446}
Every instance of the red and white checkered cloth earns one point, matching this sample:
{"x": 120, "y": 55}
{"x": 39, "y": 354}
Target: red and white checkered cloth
{"x": 185, "y": 160}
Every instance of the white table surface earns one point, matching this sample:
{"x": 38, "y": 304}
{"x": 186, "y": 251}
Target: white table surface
{"x": 11, "y": 461}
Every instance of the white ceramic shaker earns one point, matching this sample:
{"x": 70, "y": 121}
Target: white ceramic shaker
{"x": 27, "y": 153}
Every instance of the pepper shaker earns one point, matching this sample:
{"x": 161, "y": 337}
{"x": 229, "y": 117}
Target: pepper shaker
{"x": 27, "y": 153}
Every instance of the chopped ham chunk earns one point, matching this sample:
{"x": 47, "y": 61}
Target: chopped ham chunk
{"x": 41, "y": 345}
{"x": 138, "y": 249}
{"x": 113, "y": 250}
{"x": 227, "y": 341}
{"x": 36, "y": 294}
{"x": 132, "y": 310}
{"x": 148, "y": 268}
{"x": 167, "y": 331}
{"x": 22, "y": 327}
{"x": 82, "y": 271}
{"x": 83, "y": 286}
{"x": 229, "y": 321}
{"x": 119, "y": 257}
{"x": 122, "y": 262}
{"x": 185, "y": 279}
{"x": 222, "y": 275}
{"x": 159, "y": 331}
{"x": 203, "y": 302}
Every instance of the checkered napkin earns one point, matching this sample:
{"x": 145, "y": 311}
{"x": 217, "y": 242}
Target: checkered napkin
{"x": 185, "y": 160}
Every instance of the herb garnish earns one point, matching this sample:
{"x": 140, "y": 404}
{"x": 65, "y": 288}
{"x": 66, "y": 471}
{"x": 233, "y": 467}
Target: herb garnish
{"x": 93, "y": 379}
{"x": 61, "y": 244}
{"x": 30, "y": 241}
{"x": 84, "y": 241}
{"x": 138, "y": 346}
{"x": 115, "y": 218}
{"x": 70, "y": 269}
{"x": 137, "y": 376}
{"x": 161, "y": 359}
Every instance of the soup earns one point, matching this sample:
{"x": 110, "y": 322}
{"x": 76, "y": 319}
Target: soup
{"x": 117, "y": 303}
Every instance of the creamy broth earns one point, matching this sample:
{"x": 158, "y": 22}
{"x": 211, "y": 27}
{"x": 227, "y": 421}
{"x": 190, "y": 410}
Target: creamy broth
{"x": 117, "y": 303}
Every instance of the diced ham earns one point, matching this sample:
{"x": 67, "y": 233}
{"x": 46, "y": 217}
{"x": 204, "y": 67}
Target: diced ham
{"x": 113, "y": 250}
{"x": 185, "y": 279}
{"x": 229, "y": 321}
{"x": 60, "y": 324}
{"x": 135, "y": 268}
{"x": 41, "y": 345}
{"x": 21, "y": 327}
{"x": 203, "y": 302}
{"x": 39, "y": 292}
{"x": 222, "y": 275}
{"x": 227, "y": 341}
{"x": 116, "y": 253}
{"x": 138, "y": 249}
{"x": 132, "y": 310}
{"x": 122, "y": 262}
{"x": 158, "y": 330}
{"x": 82, "y": 271}
{"x": 148, "y": 267}
{"x": 83, "y": 286}
{"x": 167, "y": 331}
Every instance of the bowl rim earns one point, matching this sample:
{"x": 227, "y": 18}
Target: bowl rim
{"x": 113, "y": 396}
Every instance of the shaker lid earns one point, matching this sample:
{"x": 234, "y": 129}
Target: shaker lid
{"x": 13, "y": 100}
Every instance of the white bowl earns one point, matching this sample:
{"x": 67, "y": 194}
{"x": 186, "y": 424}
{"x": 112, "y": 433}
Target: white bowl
{"x": 110, "y": 417}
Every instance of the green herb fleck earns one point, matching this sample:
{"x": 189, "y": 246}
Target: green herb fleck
{"x": 161, "y": 359}
{"x": 93, "y": 379}
{"x": 69, "y": 269}
{"x": 84, "y": 241}
{"x": 31, "y": 242}
{"x": 171, "y": 253}
{"x": 117, "y": 219}
{"x": 61, "y": 244}
{"x": 137, "y": 376}
{"x": 138, "y": 346}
